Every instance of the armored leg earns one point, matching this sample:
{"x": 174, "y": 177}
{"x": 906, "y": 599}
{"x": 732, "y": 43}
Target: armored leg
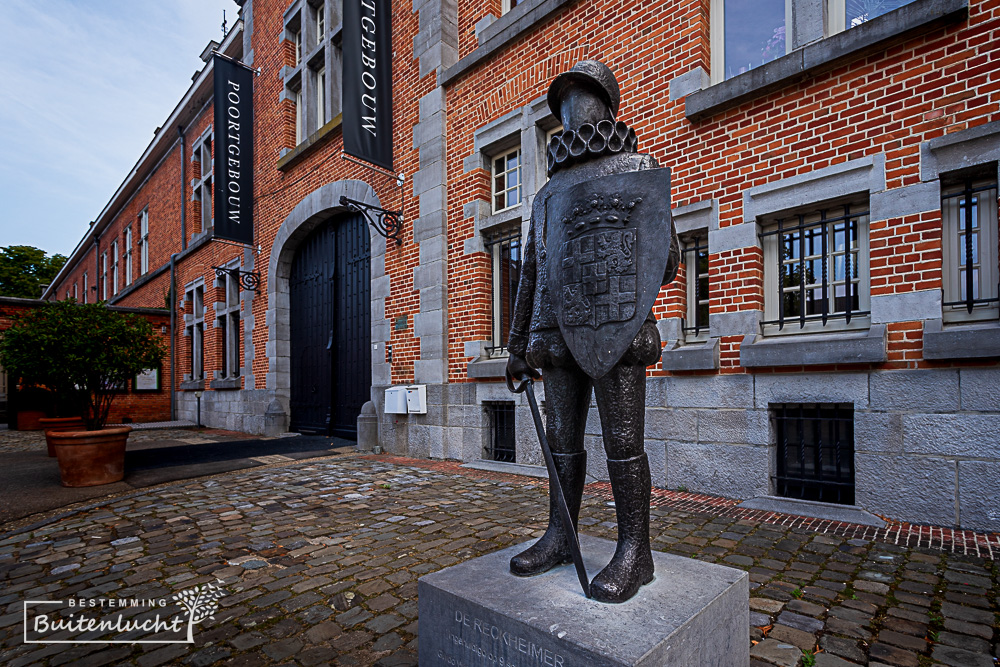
{"x": 567, "y": 399}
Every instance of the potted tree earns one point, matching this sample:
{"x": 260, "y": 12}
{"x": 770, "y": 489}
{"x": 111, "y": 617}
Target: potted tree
{"x": 90, "y": 352}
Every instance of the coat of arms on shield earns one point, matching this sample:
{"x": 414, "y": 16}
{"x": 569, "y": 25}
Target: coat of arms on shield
{"x": 608, "y": 246}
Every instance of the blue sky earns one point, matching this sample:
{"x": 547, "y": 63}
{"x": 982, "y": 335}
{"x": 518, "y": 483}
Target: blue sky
{"x": 85, "y": 84}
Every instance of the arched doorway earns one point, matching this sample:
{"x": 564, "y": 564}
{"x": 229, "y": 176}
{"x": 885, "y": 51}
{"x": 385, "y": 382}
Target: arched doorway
{"x": 330, "y": 318}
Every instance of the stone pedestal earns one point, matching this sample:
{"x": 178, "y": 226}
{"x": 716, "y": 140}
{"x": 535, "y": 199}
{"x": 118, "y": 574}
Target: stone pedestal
{"x": 478, "y": 613}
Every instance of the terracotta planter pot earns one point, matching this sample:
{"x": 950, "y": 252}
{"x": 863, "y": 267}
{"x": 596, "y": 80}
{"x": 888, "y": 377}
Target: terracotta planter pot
{"x": 60, "y": 424}
{"x": 91, "y": 458}
{"x": 28, "y": 420}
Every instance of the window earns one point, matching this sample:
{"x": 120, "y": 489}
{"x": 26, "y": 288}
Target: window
{"x": 228, "y": 324}
{"x": 86, "y": 291}
{"x": 297, "y": 41}
{"x": 320, "y": 98}
{"x": 816, "y": 270}
{"x": 695, "y": 258}
{"x": 747, "y": 35}
{"x": 128, "y": 255}
{"x": 509, "y": 5}
{"x": 320, "y": 23}
{"x": 104, "y": 275}
{"x": 76, "y": 294}
{"x": 202, "y": 188}
{"x": 501, "y": 444}
{"x": 299, "y": 118}
{"x": 505, "y": 260}
{"x": 114, "y": 267}
{"x": 969, "y": 227}
{"x": 195, "y": 331}
{"x": 507, "y": 180}
{"x": 846, "y": 14}
{"x": 144, "y": 242}
{"x": 815, "y": 452}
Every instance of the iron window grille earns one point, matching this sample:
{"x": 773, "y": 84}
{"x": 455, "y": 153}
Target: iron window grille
{"x": 501, "y": 445}
{"x": 969, "y": 214}
{"x": 507, "y": 180}
{"x": 228, "y": 322}
{"x": 505, "y": 249}
{"x": 695, "y": 257}
{"x": 815, "y": 452}
{"x": 820, "y": 267}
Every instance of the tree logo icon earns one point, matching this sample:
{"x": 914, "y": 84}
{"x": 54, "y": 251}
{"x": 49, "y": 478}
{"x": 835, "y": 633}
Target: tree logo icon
{"x": 201, "y": 603}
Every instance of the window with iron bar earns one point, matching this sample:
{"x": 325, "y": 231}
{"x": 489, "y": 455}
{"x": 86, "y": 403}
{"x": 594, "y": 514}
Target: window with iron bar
{"x": 969, "y": 221}
{"x": 814, "y": 451}
{"x": 816, "y": 270}
{"x": 695, "y": 258}
{"x": 227, "y": 316}
{"x": 501, "y": 445}
{"x": 504, "y": 248}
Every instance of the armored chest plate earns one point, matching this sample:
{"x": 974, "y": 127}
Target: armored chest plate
{"x": 608, "y": 244}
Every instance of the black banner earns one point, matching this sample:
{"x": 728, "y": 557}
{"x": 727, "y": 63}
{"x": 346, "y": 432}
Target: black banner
{"x": 233, "y": 172}
{"x": 367, "y": 84}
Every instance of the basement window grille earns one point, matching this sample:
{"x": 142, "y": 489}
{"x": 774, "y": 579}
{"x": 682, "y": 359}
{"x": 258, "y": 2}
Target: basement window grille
{"x": 501, "y": 444}
{"x": 815, "y": 452}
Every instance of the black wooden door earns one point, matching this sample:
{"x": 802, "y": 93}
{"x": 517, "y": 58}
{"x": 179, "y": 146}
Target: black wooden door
{"x": 330, "y": 295}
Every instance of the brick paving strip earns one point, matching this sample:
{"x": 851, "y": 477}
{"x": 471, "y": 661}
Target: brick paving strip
{"x": 320, "y": 562}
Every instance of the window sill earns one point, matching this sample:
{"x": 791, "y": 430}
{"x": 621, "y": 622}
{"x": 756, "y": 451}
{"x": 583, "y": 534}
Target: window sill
{"x": 294, "y": 156}
{"x": 967, "y": 341}
{"x": 866, "y": 347}
{"x": 192, "y": 385}
{"x": 504, "y": 30}
{"x": 698, "y": 356}
{"x": 495, "y": 221}
{"x": 923, "y": 15}
{"x": 227, "y": 383}
{"x": 486, "y": 367}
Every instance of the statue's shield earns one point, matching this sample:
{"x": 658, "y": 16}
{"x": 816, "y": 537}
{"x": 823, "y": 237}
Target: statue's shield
{"x": 608, "y": 244}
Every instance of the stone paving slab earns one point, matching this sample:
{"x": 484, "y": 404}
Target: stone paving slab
{"x": 319, "y": 562}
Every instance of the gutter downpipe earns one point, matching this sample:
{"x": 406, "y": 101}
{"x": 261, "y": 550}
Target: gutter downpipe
{"x": 173, "y": 337}
{"x": 180, "y": 131}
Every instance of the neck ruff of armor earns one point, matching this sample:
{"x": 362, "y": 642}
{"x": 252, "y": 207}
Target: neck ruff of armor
{"x": 590, "y": 141}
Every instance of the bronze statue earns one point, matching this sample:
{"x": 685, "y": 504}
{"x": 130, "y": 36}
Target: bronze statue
{"x": 601, "y": 244}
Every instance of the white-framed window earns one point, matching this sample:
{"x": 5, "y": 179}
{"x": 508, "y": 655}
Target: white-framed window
{"x": 144, "y": 242}
{"x": 969, "y": 245}
{"x": 128, "y": 255}
{"x": 506, "y": 180}
{"x": 505, "y": 249}
{"x": 104, "y": 275}
{"x": 694, "y": 254}
{"x": 844, "y": 14}
{"x": 508, "y": 5}
{"x": 86, "y": 287}
{"x": 320, "y": 97}
{"x": 203, "y": 185}
{"x": 299, "y": 118}
{"x": 816, "y": 274}
{"x": 320, "y": 23}
{"x": 195, "y": 331}
{"x": 227, "y": 323}
{"x": 114, "y": 267}
{"x": 76, "y": 293}
{"x": 746, "y": 34}
{"x": 297, "y": 42}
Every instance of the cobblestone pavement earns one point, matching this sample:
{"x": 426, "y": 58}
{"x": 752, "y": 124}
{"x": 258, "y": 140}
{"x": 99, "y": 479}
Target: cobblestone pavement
{"x": 31, "y": 441}
{"x": 320, "y": 562}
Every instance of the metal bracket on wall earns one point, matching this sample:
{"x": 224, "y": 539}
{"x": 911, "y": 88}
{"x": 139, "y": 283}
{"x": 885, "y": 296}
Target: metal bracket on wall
{"x": 386, "y": 223}
{"x": 248, "y": 280}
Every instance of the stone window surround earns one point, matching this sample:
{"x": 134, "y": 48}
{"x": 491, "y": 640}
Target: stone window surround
{"x": 949, "y": 153}
{"x": 811, "y": 52}
{"x": 190, "y": 383}
{"x": 862, "y": 175}
{"x": 528, "y": 126}
{"x": 222, "y": 309}
{"x": 202, "y": 183}
{"x": 316, "y": 56}
{"x": 316, "y": 207}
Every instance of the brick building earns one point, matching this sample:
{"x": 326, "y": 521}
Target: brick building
{"x": 833, "y": 333}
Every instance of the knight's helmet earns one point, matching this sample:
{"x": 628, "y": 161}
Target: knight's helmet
{"x": 592, "y": 74}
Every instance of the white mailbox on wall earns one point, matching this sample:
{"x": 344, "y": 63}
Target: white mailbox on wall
{"x": 395, "y": 401}
{"x": 416, "y": 399}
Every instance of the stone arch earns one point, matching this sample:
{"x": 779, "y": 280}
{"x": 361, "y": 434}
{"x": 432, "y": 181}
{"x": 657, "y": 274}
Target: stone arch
{"x": 315, "y": 208}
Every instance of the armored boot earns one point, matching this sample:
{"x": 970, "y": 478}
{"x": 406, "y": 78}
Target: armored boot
{"x": 553, "y": 548}
{"x": 632, "y": 564}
